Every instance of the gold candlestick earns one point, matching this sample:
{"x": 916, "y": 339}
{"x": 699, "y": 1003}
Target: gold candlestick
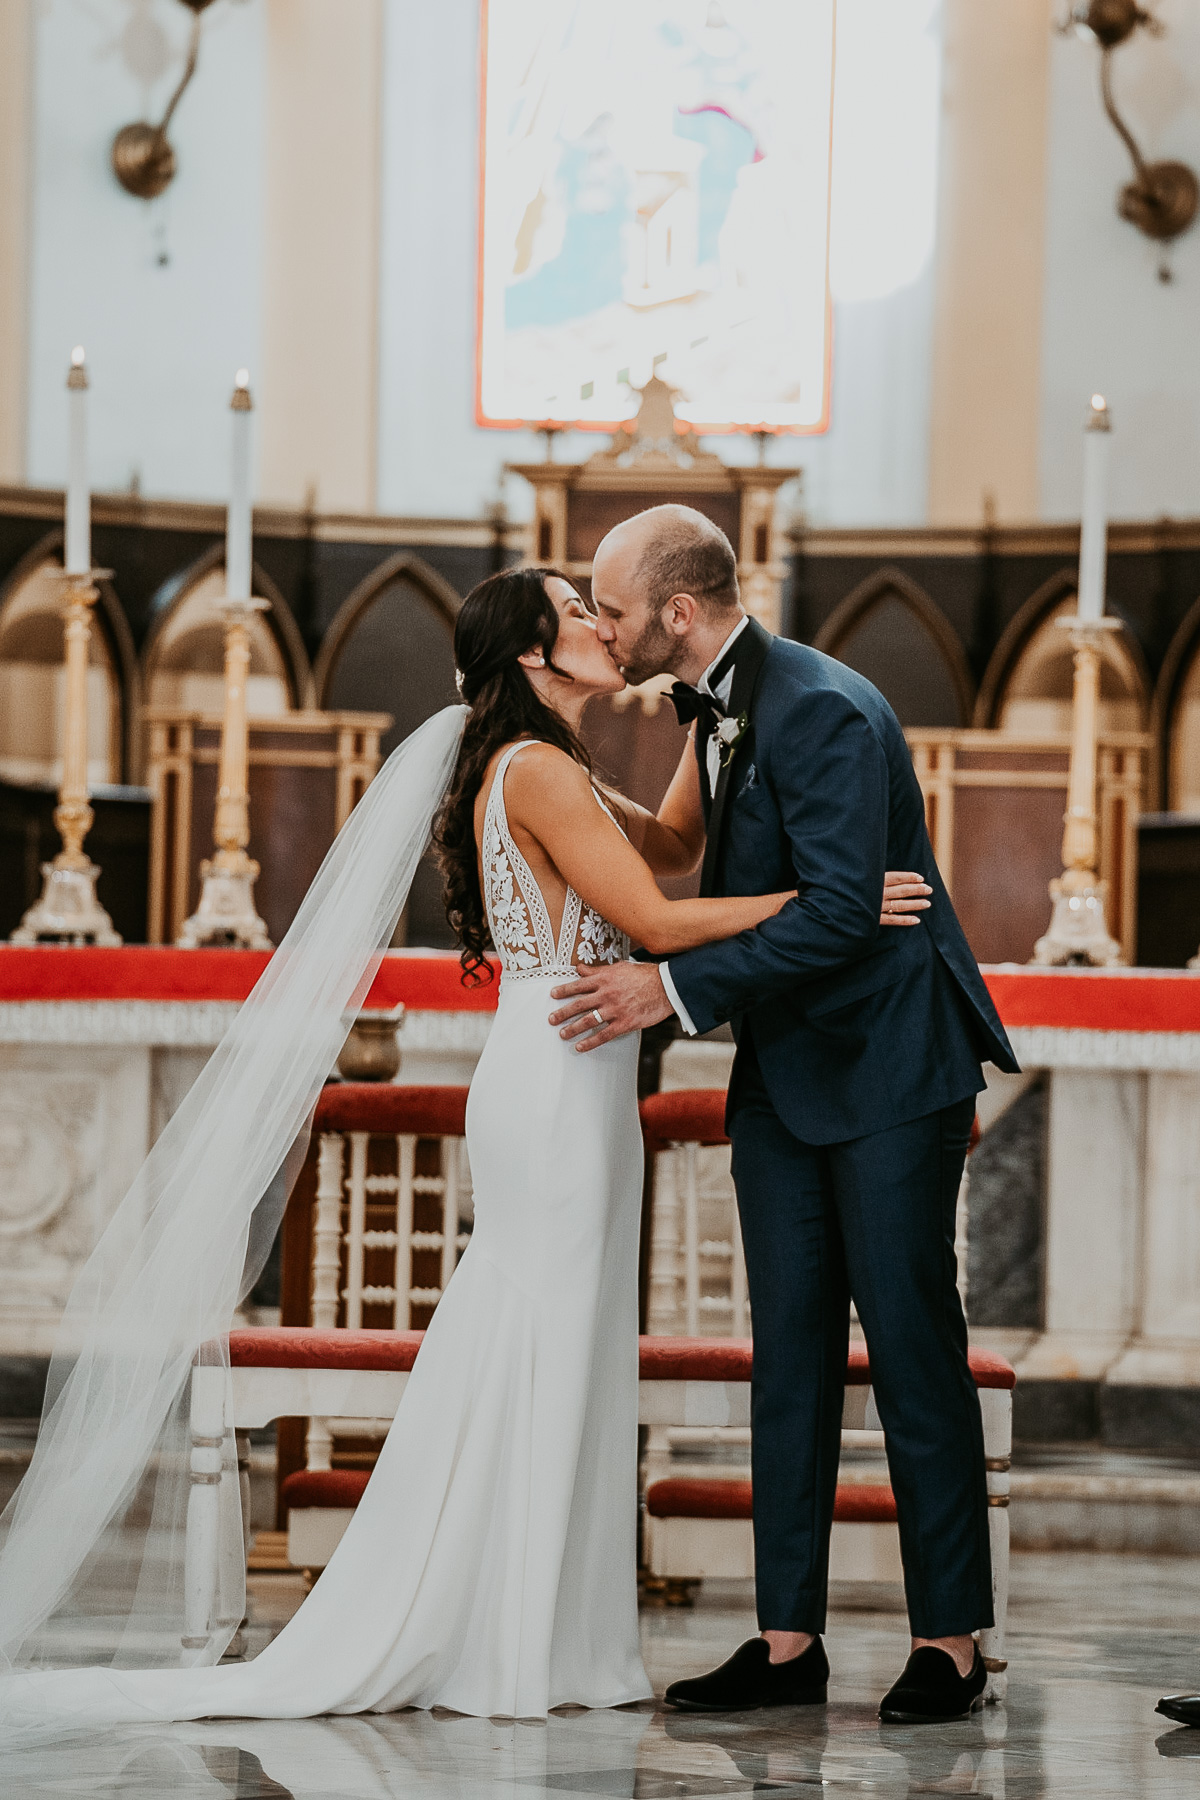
{"x": 68, "y": 911}
{"x": 1078, "y": 930}
{"x": 226, "y": 914}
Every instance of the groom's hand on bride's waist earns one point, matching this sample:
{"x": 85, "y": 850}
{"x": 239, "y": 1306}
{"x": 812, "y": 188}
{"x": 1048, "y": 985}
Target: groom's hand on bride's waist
{"x": 610, "y": 1001}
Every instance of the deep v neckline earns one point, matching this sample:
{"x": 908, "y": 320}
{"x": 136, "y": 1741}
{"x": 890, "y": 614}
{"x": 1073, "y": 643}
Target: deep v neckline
{"x": 516, "y": 908}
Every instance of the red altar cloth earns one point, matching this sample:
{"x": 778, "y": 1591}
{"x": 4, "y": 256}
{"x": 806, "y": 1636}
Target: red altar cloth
{"x": 425, "y": 980}
{"x": 1097, "y": 999}
{"x": 429, "y": 980}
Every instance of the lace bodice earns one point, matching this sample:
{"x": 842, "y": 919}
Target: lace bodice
{"x": 517, "y": 914}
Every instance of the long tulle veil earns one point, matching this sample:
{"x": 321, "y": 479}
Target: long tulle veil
{"x": 91, "y": 1545}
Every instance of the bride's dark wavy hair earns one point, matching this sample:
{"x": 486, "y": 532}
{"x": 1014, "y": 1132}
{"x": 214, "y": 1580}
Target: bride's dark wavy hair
{"x": 500, "y": 620}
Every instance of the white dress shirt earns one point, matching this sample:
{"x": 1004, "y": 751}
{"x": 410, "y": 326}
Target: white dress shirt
{"x": 721, "y": 695}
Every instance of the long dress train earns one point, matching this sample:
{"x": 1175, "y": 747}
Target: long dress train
{"x": 490, "y": 1566}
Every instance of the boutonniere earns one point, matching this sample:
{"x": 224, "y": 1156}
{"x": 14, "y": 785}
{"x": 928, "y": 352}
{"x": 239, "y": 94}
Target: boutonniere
{"x": 728, "y": 734}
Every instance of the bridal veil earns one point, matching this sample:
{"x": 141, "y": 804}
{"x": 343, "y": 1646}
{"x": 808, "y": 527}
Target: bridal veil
{"x": 91, "y": 1545}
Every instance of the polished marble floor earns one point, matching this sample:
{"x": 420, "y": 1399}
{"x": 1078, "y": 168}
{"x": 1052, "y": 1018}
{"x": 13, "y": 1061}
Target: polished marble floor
{"x": 1095, "y": 1640}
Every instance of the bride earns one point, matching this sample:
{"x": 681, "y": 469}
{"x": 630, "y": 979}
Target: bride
{"x": 490, "y": 1566}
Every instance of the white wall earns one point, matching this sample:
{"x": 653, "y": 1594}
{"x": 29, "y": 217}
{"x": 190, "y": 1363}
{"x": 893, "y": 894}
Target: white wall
{"x": 871, "y": 468}
{"x": 163, "y": 340}
{"x": 433, "y": 459}
{"x": 1108, "y": 323}
{"x": 16, "y": 72}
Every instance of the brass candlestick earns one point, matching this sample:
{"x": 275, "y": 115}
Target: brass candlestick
{"x": 68, "y": 911}
{"x": 1078, "y": 930}
{"x": 226, "y": 914}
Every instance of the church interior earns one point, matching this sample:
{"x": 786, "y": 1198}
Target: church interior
{"x": 314, "y": 315}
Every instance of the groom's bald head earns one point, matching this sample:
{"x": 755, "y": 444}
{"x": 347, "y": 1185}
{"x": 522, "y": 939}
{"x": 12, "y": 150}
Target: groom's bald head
{"x": 665, "y": 585}
{"x": 670, "y": 550}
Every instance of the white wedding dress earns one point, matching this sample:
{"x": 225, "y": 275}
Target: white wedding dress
{"x": 490, "y": 1566}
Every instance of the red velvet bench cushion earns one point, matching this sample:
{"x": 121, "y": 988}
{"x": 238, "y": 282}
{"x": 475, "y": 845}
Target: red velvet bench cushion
{"x": 659, "y": 1358}
{"x": 377, "y": 1106}
{"x": 688, "y": 1116}
{"x": 324, "y": 1487}
{"x": 688, "y": 1498}
{"x": 670, "y": 1499}
{"x": 301, "y": 1347}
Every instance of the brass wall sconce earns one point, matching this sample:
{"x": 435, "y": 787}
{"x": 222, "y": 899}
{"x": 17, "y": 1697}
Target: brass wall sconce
{"x": 1163, "y": 197}
{"x": 142, "y": 158}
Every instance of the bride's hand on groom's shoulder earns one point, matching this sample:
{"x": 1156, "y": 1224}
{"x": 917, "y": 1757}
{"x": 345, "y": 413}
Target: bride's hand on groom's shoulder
{"x": 608, "y": 1001}
{"x": 905, "y": 894}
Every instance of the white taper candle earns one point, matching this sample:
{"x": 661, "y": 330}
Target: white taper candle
{"x": 1093, "y": 536}
{"x": 238, "y": 518}
{"x": 79, "y": 509}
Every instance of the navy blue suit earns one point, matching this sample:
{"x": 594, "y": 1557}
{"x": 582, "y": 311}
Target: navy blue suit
{"x": 850, "y": 1107}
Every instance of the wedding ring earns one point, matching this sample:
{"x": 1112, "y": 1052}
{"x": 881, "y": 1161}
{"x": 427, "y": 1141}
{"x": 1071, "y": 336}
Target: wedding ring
{"x": 597, "y": 1016}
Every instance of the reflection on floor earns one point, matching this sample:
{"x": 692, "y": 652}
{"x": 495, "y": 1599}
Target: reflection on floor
{"x": 1095, "y": 1640}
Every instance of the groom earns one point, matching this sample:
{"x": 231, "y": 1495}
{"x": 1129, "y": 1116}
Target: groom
{"x": 850, "y": 1104}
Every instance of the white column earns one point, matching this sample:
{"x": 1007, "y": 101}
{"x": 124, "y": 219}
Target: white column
{"x": 1166, "y": 1352}
{"x": 1093, "y": 1210}
{"x": 986, "y": 389}
{"x": 321, "y": 280}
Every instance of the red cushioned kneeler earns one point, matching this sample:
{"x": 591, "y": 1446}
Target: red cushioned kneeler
{"x": 378, "y": 1107}
{"x": 683, "y": 1498}
{"x": 689, "y": 1116}
{"x": 659, "y": 1358}
{"x": 324, "y": 1487}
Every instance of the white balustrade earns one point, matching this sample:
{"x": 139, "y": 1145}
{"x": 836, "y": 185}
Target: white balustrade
{"x": 342, "y": 1241}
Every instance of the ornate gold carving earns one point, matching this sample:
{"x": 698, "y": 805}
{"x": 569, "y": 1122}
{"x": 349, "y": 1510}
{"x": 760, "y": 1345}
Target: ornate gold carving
{"x": 654, "y": 442}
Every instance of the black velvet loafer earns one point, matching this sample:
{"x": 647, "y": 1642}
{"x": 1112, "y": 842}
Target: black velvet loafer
{"x": 750, "y": 1680}
{"x": 931, "y": 1690}
{"x": 1183, "y": 1708}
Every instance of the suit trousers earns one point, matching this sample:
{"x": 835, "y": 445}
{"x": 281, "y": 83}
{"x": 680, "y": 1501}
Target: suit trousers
{"x": 871, "y": 1219}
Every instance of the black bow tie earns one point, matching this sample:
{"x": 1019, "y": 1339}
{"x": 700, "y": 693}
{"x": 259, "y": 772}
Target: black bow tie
{"x": 690, "y": 703}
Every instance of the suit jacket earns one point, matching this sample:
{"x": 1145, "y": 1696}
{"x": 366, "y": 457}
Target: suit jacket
{"x": 856, "y": 1026}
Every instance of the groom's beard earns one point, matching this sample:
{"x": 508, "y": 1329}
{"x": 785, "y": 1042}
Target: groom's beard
{"x": 653, "y": 653}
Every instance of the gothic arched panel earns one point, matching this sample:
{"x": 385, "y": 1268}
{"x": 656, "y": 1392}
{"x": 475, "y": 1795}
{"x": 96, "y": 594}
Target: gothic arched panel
{"x": 33, "y": 677}
{"x": 391, "y": 649}
{"x": 183, "y": 659}
{"x": 889, "y": 630}
{"x": 1177, "y": 718}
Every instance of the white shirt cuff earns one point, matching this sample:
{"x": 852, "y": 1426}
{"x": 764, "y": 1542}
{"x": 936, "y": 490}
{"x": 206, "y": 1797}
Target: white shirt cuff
{"x": 685, "y": 1018}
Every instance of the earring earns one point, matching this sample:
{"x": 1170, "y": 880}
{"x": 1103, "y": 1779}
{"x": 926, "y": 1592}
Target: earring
{"x": 540, "y": 663}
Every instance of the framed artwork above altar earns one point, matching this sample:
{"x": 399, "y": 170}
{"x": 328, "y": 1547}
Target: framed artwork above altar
{"x": 655, "y": 200}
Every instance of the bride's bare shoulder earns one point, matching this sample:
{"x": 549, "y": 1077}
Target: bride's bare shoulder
{"x": 544, "y": 779}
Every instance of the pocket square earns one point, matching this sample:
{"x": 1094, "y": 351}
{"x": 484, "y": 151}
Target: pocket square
{"x": 751, "y": 781}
